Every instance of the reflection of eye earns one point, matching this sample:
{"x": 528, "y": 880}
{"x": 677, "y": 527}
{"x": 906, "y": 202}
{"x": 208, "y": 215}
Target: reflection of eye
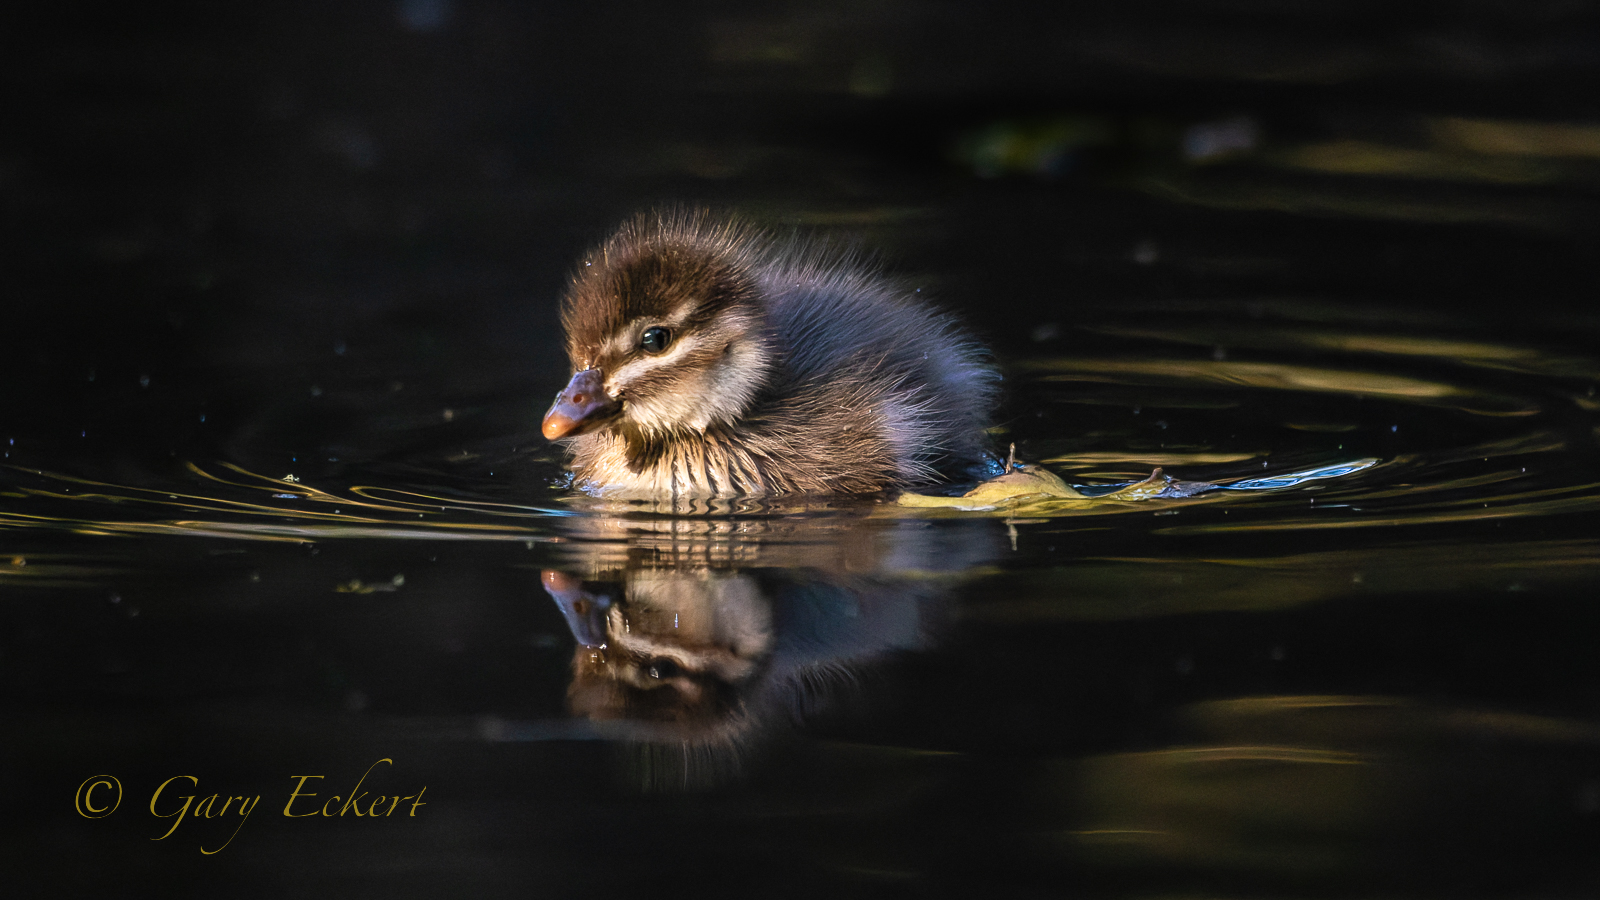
{"x": 655, "y": 339}
{"x": 661, "y": 667}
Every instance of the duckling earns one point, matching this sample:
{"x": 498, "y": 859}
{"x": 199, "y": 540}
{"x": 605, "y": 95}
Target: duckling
{"x": 710, "y": 360}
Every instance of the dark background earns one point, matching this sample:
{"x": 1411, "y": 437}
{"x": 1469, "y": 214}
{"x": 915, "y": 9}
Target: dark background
{"x": 240, "y": 202}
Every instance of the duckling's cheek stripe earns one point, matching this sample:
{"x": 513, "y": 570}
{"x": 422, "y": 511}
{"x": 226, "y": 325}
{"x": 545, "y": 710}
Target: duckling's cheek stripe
{"x": 689, "y": 389}
{"x": 626, "y": 339}
{"x": 631, "y": 371}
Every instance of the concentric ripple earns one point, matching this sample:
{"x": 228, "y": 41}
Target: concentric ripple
{"x": 1463, "y": 430}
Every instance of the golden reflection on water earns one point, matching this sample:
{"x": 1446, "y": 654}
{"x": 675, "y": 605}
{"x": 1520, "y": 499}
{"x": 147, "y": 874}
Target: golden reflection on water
{"x": 1378, "y": 179}
{"x": 1245, "y": 374}
{"x": 1150, "y": 459}
{"x": 1507, "y": 138}
{"x": 1438, "y": 470}
{"x": 243, "y": 515}
{"x": 1282, "y": 376}
{"x": 56, "y": 570}
{"x": 1364, "y": 201}
{"x": 1113, "y": 588}
{"x": 1306, "y": 784}
{"x": 1354, "y": 157}
{"x": 1528, "y": 360}
{"x": 1584, "y": 498}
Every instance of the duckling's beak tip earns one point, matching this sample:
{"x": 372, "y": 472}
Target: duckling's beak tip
{"x": 556, "y": 426}
{"x": 557, "y": 582}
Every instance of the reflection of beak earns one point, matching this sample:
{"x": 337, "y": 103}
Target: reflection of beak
{"x": 585, "y": 612}
{"x": 581, "y": 406}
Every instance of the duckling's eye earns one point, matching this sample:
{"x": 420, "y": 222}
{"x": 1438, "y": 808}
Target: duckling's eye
{"x": 655, "y": 339}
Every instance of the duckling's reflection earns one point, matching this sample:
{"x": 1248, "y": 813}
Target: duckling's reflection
{"x": 715, "y": 633}
{"x": 665, "y": 648}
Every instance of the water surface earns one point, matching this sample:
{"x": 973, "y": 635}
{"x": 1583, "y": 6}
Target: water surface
{"x": 1359, "y": 662}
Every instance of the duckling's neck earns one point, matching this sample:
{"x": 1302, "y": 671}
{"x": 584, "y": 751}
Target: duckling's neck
{"x": 625, "y": 463}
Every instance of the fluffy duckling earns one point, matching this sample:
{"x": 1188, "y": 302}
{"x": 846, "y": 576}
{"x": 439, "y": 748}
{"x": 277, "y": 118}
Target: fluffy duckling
{"x": 711, "y": 361}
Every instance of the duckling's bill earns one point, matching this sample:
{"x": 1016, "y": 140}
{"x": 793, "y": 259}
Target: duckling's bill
{"x": 581, "y": 405}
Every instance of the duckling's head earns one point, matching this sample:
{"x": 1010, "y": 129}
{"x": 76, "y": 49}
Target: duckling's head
{"x": 665, "y": 331}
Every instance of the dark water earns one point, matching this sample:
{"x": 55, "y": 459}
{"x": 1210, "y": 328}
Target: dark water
{"x": 274, "y": 503}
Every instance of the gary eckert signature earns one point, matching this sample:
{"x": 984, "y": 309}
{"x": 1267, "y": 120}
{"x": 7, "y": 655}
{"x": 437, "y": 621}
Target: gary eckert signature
{"x": 100, "y": 795}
